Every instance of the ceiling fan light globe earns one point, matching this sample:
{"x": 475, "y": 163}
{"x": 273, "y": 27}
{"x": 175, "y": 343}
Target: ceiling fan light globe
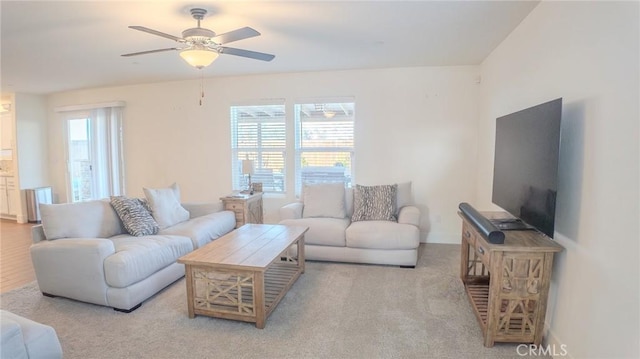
{"x": 199, "y": 58}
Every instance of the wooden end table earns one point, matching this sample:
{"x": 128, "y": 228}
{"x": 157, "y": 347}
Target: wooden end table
{"x": 247, "y": 207}
{"x": 244, "y": 274}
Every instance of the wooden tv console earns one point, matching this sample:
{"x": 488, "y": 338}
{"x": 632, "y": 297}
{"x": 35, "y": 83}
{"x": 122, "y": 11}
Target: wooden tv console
{"x": 508, "y": 283}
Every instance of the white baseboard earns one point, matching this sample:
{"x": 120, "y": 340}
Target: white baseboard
{"x": 443, "y": 237}
{"x": 552, "y": 341}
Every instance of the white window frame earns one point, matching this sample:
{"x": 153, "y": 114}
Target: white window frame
{"x": 272, "y": 177}
{"x": 333, "y": 110}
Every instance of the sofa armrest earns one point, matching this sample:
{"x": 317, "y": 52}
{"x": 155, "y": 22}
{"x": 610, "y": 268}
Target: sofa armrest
{"x": 73, "y": 267}
{"x": 33, "y": 339}
{"x": 291, "y": 211}
{"x": 201, "y": 209}
{"x": 37, "y": 234}
{"x": 409, "y": 215}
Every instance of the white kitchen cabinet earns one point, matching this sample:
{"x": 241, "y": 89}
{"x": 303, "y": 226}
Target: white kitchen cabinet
{"x": 12, "y": 196}
{"x": 4, "y": 198}
{"x": 8, "y": 197}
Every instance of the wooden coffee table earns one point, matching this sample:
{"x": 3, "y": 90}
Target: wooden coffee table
{"x": 244, "y": 274}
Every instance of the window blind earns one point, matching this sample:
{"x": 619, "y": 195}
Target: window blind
{"x": 258, "y": 133}
{"x": 324, "y": 143}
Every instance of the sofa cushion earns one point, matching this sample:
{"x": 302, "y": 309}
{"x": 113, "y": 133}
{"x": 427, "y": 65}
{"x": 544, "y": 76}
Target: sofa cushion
{"x": 136, "y": 218}
{"x": 136, "y": 258}
{"x": 165, "y": 205}
{"x": 382, "y": 235}
{"x": 324, "y": 200}
{"x": 374, "y": 203}
{"x": 90, "y": 219}
{"x": 322, "y": 231}
{"x": 204, "y": 229}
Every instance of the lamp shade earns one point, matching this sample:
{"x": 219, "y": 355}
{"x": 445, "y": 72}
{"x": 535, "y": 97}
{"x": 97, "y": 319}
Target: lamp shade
{"x": 199, "y": 58}
{"x": 247, "y": 167}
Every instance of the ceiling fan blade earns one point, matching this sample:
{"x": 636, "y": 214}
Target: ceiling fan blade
{"x": 235, "y": 35}
{"x": 149, "y": 52}
{"x": 246, "y": 53}
{"x": 155, "y": 32}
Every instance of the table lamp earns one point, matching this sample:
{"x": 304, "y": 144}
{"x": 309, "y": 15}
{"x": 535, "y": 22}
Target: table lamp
{"x": 247, "y": 169}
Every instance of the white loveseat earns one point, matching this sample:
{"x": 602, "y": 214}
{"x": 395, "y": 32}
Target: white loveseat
{"x": 328, "y": 210}
{"x": 82, "y": 251}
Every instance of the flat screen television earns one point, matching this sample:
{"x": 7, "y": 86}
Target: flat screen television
{"x": 525, "y": 172}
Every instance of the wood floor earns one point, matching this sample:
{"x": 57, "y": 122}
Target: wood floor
{"x": 16, "y": 269}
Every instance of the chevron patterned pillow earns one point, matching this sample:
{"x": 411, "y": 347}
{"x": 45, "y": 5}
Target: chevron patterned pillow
{"x": 136, "y": 218}
{"x": 374, "y": 203}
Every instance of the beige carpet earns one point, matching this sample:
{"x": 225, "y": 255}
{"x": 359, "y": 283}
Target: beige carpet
{"x": 333, "y": 311}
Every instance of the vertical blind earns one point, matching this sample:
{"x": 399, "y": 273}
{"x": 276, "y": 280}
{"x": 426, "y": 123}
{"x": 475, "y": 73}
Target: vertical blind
{"x": 324, "y": 143}
{"x": 258, "y": 133}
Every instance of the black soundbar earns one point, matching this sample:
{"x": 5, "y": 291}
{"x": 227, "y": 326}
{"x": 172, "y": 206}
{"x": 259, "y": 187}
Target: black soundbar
{"x": 484, "y": 226}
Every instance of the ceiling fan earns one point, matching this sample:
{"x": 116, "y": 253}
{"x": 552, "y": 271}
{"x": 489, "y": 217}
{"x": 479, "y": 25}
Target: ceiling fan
{"x": 200, "y": 47}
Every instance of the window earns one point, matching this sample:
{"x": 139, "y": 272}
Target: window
{"x": 324, "y": 143}
{"x": 94, "y": 152}
{"x": 258, "y": 133}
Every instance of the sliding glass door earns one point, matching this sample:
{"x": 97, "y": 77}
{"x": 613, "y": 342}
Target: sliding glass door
{"x": 81, "y": 178}
{"x": 94, "y": 154}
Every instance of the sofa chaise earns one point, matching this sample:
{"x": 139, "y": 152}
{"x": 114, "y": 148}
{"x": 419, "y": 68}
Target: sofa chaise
{"x": 82, "y": 251}
{"x": 378, "y": 226}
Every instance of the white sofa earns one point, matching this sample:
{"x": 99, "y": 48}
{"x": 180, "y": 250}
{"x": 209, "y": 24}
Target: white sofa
{"x": 83, "y": 252}
{"x": 24, "y": 338}
{"x": 332, "y": 235}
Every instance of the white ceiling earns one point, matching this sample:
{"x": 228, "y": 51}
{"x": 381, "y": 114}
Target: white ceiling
{"x": 52, "y": 46}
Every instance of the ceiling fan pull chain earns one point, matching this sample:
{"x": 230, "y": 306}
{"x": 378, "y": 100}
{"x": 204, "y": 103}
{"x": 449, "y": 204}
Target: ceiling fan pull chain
{"x": 201, "y": 86}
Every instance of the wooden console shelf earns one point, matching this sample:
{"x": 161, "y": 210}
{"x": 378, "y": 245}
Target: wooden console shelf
{"x": 507, "y": 284}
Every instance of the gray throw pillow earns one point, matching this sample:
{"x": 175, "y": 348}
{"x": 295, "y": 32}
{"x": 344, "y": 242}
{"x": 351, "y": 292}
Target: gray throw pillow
{"x": 136, "y": 218}
{"x": 374, "y": 203}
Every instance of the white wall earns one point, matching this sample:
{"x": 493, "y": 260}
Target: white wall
{"x": 32, "y": 144}
{"x": 415, "y": 124}
{"x": 588, "y": 54}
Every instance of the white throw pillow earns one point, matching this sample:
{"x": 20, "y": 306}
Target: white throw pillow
{"x": 324, "y": 200}
{"x": 165, "y": 206}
